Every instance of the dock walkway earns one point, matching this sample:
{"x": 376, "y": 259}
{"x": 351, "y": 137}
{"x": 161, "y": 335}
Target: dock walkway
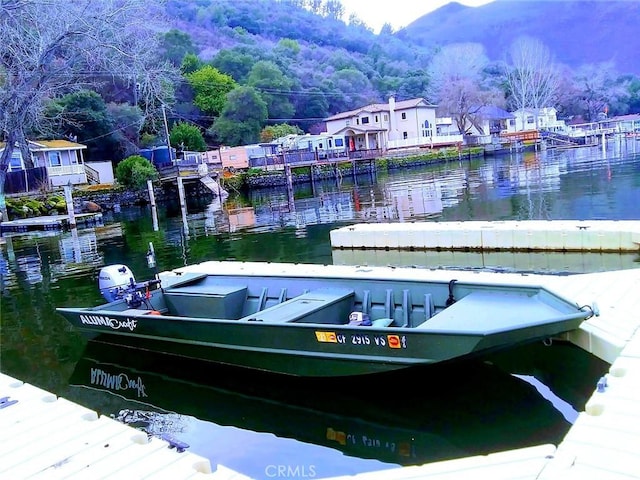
{"x": 531, "y": 235}
{"x": 47, "y": 437}
{"x": 49, "y": 222}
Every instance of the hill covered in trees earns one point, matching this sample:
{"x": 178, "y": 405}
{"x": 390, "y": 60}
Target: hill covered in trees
{"x": 240, "y": 71}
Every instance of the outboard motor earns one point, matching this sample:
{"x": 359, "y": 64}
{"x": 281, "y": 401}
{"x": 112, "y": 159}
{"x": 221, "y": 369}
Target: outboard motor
{"x": 114, "y": 281}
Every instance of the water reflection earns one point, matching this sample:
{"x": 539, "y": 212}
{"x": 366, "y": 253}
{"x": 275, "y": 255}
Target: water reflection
{"x": 385, "y": 417}
{"x": 534, "y": 262}
{"x": 52, "y": 254}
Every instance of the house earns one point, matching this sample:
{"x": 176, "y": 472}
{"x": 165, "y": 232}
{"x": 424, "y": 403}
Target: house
{"x": 324, "y": 144}
{"x": 627, "y": 124}
{"x": 536, "y": 119}
{"x": 62, "y": 159}
{"x": 402, "y": 124}
{"x": 241, "y": 157}
{"x": 487, "y": 123}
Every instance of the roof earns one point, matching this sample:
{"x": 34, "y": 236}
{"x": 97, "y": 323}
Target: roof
{"x": 626, "y": 118}
{"x": 359, "y": 129}
{"x": 491, "y": 112}
{"x": 37, "y": 145}
{"x": 382, "y": 107}
{"x": 55, "y": 145}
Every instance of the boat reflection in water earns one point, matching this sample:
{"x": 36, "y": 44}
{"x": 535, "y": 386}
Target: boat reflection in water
{"x": 405, "y": 418}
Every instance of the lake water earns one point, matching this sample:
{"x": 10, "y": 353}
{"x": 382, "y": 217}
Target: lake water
{"x": 266, "y": 427}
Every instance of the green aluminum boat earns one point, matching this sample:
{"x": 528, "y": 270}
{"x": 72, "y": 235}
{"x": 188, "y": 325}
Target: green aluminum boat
{"x": 322, "y": 321}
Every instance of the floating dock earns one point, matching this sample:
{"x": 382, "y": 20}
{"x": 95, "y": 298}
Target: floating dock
{"x": 50, "y": 222}
{"x": 47, "y": 437}
{"x": 526, "y": 236}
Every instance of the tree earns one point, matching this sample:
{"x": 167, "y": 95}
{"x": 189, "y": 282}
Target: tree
{"x": 83, "y": 115}
{"x": 271, "y": 132}
{"x": 274, "y": 87}
{"x": 187, "y": 137}
{"x": 174, "y": 45}
{"x": 235, "y": 62}
{"x": 133, "y": 172}
{"x": 57, "y": 47}
{"x": 127, "y": 121}
{"x": 533, "y": 78}
{"x": 241, "y": 119}
{"x": 210, "y": 88}
{"x": 190, "y": 63}
{"x": 456, "y": 73}
{"x": 597, "y": 88}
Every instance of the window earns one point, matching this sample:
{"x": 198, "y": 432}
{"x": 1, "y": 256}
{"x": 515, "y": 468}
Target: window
{"x": 405, "y": 135}
{"x": 404, "y": 115}
{"x": 530, "y": 119}
{"x": 54, "y": 159}
{"x": 347, "y": 122}
{"x": 365, "y": 120}
{"x": 16, "y": 162}
{"x": 386, "y": 117}
{"x": 376, "y": 119}
{"x": 427, "y": 131}
{"x": 357, "y": 121}
{"x": 339, "y": 142}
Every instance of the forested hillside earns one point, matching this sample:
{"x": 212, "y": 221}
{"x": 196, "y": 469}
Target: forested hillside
{"x": 231, "y": 72}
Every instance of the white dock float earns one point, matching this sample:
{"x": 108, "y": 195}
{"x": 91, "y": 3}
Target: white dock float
{"x": 47, "y": 437}
{"x": 530, "y": 235}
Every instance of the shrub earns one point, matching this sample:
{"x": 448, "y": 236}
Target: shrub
{"x": 134, "y": 171}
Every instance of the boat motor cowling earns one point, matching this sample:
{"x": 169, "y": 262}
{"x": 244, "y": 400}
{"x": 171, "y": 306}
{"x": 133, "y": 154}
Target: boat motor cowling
{"x": 114, "y": 281}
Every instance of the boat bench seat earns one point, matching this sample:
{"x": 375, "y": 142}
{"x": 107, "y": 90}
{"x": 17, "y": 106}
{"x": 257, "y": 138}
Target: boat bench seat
{"x": 489, "y": 312}
{"x": 323, "y": 305}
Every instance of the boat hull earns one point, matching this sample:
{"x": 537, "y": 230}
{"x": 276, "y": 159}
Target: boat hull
{"x": 301, "y": 350}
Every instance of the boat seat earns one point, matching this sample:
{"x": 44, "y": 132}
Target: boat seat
{"x": 323, "y": 305}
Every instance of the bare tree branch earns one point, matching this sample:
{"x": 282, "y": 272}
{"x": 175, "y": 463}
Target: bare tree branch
{"x": 51, "y": 48}
{"x": 533, "y": 78}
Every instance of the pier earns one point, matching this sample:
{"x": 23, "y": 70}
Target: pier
{"x": 526, "y": 236}
{"x": 50, "y": 222}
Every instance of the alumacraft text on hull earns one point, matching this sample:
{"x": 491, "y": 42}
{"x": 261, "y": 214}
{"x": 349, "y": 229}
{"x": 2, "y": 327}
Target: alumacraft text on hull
{"x": 314, "y": 320}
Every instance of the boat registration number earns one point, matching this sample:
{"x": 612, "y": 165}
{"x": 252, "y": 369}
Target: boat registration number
{"x": 362, "y": 339}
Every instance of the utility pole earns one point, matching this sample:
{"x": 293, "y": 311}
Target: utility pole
{"x": 166, "y": 131}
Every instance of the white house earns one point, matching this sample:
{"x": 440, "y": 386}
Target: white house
{"x": 63, "y": 160}
{"x": 536, "y": 119}
{"x": 407, "y": 123}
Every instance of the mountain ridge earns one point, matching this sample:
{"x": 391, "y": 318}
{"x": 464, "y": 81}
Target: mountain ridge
{"x": 577, "y": 32}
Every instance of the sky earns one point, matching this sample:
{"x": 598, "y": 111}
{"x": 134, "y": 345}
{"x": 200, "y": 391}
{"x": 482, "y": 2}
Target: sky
{"x": 399, "y": 13}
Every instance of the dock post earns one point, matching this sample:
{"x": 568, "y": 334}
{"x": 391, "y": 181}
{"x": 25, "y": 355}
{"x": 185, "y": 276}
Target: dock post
{"x": 290, "y": 194}
{"x": 183, "y": 205}
{"x": 154, "y": 210}
{"x": 68, "y": 198}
